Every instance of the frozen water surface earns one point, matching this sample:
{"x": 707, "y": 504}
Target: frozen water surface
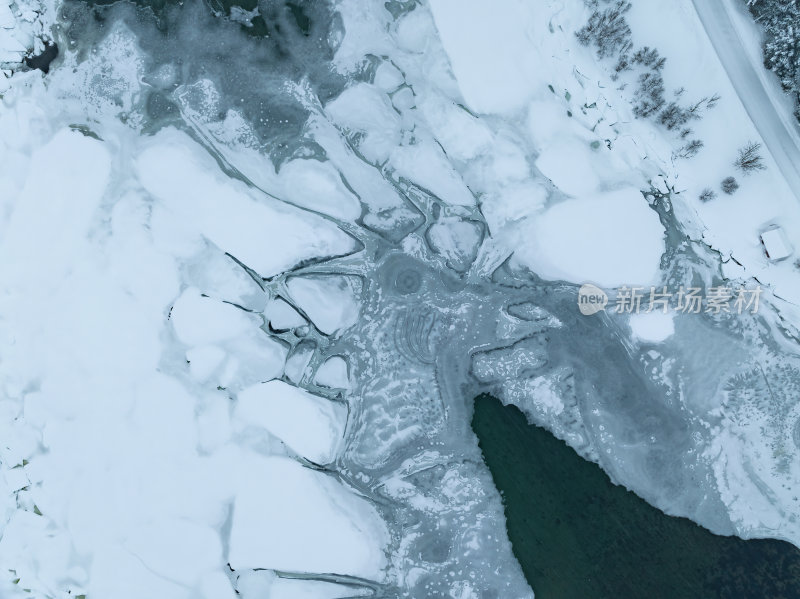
{"x": 257, "y": 260}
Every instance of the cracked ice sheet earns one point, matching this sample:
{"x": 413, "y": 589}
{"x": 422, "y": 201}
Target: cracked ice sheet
{"x": 133, "y": 486}
{"x": 267, "y": 237}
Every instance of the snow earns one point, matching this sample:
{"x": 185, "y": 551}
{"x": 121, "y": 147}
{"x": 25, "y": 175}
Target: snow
{"x": 306, "y": 522}
{"x": 218, "y": 276}
{"x": 215, "y": 331}
{"x": 456, "y": 239}
{"x": 311, "y": 426}
{"x": 462, "y": 135}
{"x": 15, "y": 479}
{"x": 611, "y": 239}
{"x": 652, "y": 327}
{"x": 330, "y": 301}
{"x": 118, "y": 573}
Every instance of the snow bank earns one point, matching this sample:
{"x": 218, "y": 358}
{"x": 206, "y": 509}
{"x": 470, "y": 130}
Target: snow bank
{"x": 311, "y": 426}
{"x": 612, "y": 239}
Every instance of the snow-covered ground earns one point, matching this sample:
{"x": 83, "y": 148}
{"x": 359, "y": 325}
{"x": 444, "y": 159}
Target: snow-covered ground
{"x": 731, "y": 224}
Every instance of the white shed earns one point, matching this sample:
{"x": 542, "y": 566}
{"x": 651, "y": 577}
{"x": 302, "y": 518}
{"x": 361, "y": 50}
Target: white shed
{"x": 775, "y": 243}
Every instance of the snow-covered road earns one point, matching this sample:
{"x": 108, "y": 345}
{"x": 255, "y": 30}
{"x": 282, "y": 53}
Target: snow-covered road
{"x": 770, "y": 112}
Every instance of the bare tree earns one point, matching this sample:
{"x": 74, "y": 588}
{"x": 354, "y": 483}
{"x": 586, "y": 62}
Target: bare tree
{"x": 750, "y": 159}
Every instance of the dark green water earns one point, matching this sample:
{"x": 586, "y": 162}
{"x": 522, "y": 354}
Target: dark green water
{"x": 579, "y": 536}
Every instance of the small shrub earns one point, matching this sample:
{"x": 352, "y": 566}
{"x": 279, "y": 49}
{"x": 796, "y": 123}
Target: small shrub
{"x": 690, "y": 149}
{"x": 707, "y": 195}
{"x": 729, "y": 185}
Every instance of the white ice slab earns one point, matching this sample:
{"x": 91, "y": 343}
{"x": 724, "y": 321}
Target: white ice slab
{"x": 330, "y": 300}
{"x": 611, "y": 239}
{"x": 311, "y": 426}
{"x": 282, "y": 316}
{"x": 333, "y": 373}
{"x": 289, "y": 518}
{"x": 652, "y": 326}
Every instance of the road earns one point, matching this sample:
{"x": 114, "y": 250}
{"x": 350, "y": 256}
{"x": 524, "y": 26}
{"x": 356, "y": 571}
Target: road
{"x": 770, "y": 113}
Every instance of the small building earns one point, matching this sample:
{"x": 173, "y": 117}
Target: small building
{"x": 776, "y": 245}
